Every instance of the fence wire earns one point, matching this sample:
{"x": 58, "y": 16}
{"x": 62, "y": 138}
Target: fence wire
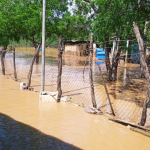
{"x": 127, "y": 94}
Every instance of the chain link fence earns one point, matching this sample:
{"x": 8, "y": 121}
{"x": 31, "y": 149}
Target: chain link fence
{"x": 127, "y": 93}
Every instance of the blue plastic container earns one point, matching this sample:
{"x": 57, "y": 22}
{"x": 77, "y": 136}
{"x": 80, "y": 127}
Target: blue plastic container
{"x": 99, "y": 63}
{"x": 100, "y": 53}
{"x": 40, "y": 48}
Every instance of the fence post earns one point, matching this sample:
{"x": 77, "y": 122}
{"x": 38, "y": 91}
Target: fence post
{"x": 14, "y": 65}
{"x": 2, "y": 61}
{"x": 91, "y": 71}
{"x": 126, "y": 59}
{"x": 31, "y": 67}
{"x": 106, "y": 90}
{"x": 43, "y": 46}
{"x": 60, "y": 52}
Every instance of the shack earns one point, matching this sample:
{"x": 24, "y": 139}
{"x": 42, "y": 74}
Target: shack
{"x": 77, "y": 48}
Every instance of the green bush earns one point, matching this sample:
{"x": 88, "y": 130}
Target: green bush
{"x": 10, "y": 47}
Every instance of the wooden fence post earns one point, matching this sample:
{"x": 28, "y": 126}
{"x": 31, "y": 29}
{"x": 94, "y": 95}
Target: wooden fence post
{"x": 2, "y": 61}
{"x": 14, "y": 65}
{"x": 60, "y": 52}
{"x": 145, "y": 71}
{"x": 106, "y": 90}
{"x": 91, "y": 71}
{"x": 31, "y": 67}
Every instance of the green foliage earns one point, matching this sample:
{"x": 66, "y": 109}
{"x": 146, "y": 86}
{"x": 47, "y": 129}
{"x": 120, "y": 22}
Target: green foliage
{"x": 83, "y": 105}
{"x": 114, "y": 18}
{"x": 22, "y": 19}
{"x": 70, "y": 99}
{"x": 10, "y": 47}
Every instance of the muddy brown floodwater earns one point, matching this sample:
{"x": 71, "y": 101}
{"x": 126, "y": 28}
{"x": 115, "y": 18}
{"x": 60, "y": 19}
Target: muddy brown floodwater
{"x": 27, "y": 124}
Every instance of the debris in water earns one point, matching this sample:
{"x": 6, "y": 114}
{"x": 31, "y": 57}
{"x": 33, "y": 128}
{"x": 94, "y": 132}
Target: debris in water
{"x": 64, "y": 98}
{"x": 92, "y": 110}
{"x": 119, "y": 90}
{"x": 128, "y": 126}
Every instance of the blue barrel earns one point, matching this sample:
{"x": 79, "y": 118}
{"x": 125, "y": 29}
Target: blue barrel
{"x": 100, "y": 53}
{"x": 99, "y": 63}
{"x": 40, "y": 48}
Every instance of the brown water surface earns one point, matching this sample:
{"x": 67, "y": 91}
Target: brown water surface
{"x": 27, "y": 124}
{"x": 127, "y": 94}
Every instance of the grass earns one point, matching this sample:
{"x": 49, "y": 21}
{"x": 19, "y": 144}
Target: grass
{"x": 31, "y": 50}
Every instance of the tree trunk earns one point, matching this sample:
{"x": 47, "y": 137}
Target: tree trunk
{"x": 4, "y": 53}
{"x": 31, "y": 66}
{"x": 37, "y": 58}
{"x": 2, "y": 62}
{"x": 107, "y": 61}
{"x": 91, "y": 71}
{"x": 14, "y": 64}
{"x": 60, "y": 52}
{"x": 145, "y": 71}
{"x": 142, "y": 71}
{"x": 115, "y": 60}
{"x": 148, "y": 58}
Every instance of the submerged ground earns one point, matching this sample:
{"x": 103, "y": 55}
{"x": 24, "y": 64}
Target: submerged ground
{"x": 127, "y": 94}
{"x": 27, "y": 124}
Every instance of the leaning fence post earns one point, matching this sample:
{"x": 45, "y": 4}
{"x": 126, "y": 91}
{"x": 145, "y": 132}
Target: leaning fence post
{"x": 31, "y": 67}
{"x": 14, "y": 64}
{"x": 106, "y": 90}
{"x": 2, "y": 61}
{"x": 60, "y": 52}
{"x": 91, "y": 71}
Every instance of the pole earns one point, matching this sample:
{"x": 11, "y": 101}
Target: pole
{"x": 43, "y": 47}
{"x": 14, "y": 64}
{"x": 91, "y": 71}
{"x": 114, "y": 43}
{"x": 60, "y": 52}
{"x": 127, "y": 52}
{"x": 2, "y": 62}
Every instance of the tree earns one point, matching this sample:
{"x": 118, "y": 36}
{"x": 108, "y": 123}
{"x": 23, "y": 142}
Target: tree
{"x": 140, "y": 13}
{"x": 122, "y": 19}
{"x": 134, "y": 15}
{"x": 23, "y": 18}
{"x": 105, "y": 25}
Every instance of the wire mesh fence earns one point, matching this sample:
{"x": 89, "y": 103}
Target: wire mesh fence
{"x": 127, "y": 93}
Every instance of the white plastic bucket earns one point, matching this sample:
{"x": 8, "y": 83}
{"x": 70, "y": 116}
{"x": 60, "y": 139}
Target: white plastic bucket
{"x": 22, "y": 85}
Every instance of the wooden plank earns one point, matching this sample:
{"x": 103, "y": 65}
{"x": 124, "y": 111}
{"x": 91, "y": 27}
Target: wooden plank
{"x": 129, "y": 123}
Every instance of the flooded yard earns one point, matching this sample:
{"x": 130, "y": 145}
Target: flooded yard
{"x": 127, "y": 94}
{"x": 27, "y": 124}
